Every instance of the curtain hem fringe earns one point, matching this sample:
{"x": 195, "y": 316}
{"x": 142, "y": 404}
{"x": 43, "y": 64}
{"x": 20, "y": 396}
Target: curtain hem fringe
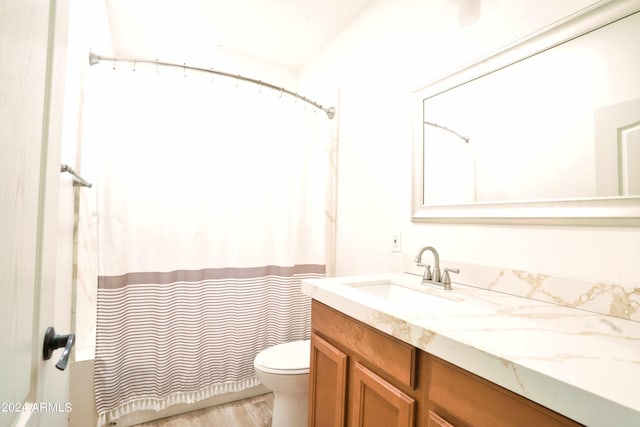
{"x": 159, "y": 404}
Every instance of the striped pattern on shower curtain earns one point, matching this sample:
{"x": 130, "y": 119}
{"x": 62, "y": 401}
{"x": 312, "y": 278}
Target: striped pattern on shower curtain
{"x": 213, "y": 202}
{"x": 182, "y": 336}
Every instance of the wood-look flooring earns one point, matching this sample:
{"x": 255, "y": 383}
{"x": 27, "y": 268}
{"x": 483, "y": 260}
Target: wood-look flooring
{"x": 252, "y": 412}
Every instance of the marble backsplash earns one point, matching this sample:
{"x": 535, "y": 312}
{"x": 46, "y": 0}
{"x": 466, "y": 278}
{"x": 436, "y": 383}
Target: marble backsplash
{"x": 606, "y": 298}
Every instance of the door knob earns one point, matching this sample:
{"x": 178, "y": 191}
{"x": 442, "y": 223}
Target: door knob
{"x": 53, "y": 341}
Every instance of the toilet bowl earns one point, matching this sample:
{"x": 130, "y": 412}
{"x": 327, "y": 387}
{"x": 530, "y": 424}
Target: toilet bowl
{"x": 284, "y": 369}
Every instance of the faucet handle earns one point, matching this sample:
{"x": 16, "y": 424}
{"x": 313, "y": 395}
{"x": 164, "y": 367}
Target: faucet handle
{"x": 427, "y": 272}
{"x": 446, "y": 280}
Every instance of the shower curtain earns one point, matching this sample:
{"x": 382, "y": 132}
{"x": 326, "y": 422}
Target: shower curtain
{"x": 214, "y": 201}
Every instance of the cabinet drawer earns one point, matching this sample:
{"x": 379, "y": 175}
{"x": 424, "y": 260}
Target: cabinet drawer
{"x": 385, "y": 353}
{"x": 474, "y": 401}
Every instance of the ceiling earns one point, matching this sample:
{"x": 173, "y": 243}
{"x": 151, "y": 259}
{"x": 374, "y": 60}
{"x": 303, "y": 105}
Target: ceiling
{"x": 283, "y": 32}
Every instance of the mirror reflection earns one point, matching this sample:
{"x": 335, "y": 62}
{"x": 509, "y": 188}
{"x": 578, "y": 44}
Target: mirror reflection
{"x": 561, "y": 124}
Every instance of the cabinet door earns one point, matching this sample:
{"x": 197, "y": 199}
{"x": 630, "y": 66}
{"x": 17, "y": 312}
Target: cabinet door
{"x": 378, "y": 403}
{"x": 327, "y": 384}
{"x": 436, "y": 421}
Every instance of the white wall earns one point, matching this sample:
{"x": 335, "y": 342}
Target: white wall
{"x": 392, "y": 49}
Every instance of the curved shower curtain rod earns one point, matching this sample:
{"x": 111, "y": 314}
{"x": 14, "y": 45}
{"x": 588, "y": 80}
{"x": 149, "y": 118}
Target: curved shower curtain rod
{"x": 331, "y": 111}
{"x": 464, "y": 138}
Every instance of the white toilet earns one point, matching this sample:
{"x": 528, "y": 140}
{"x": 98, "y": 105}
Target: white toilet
{"x": 284, "y": 369}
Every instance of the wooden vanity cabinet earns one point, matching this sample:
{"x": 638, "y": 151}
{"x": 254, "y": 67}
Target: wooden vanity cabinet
{"x": 361, "y": 377}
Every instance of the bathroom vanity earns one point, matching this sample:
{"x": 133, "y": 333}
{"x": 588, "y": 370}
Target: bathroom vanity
{"x": 375, "y": 379}
{"x": 386, "y": 351}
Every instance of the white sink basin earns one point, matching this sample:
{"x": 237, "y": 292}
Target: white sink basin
{"x": 417, "y": 297}
{"x": 400, "y": 292}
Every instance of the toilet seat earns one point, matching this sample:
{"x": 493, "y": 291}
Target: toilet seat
{"x": 291, "y": 358}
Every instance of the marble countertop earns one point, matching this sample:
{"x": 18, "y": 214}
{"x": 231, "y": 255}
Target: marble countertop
{"x": 583, "y": 365}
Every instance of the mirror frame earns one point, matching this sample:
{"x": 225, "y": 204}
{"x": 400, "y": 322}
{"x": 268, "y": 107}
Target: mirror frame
{"x": 611, "y": 211}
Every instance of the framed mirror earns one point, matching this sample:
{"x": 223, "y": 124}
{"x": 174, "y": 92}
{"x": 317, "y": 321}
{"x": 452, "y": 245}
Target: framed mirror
{"x": 546, "y": 131}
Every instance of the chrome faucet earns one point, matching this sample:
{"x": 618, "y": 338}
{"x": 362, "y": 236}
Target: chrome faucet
{"x": 427, "y": 272}
{"x": 435, "y": 278}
